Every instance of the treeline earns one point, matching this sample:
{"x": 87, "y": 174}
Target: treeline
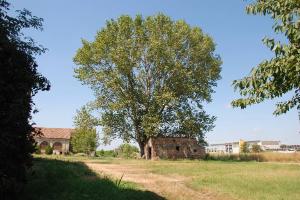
{"x": 124, "y": 151}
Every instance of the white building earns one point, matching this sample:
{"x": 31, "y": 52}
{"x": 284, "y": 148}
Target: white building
{"x": 234, "y": 147}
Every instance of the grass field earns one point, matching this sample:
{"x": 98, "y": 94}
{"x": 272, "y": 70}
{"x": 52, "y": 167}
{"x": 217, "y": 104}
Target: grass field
{"x": 239, "y": 180}
{"x": 233, "y": 180}
{"x": 64, "y": 180}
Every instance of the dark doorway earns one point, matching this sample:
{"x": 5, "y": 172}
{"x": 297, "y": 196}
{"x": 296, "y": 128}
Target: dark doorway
{"x": 149, "y": 153}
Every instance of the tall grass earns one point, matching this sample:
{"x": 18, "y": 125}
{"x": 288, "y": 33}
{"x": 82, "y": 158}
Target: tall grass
{"x": 259, "y": 157}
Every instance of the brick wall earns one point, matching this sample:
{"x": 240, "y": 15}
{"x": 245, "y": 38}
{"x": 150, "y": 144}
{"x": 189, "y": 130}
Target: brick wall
{"x": 173, "y": 148}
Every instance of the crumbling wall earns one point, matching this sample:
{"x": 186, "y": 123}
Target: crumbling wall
{"x": 173, "y": 148}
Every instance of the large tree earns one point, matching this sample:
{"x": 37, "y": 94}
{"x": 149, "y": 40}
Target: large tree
{"x": 150, "y": 77}
{"x": 281, "y": 74}
{"x": 19, "y": 82}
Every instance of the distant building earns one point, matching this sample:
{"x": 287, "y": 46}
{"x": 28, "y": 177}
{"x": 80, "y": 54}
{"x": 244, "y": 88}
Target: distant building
{"x": 173, "y": 148}
{"x": 290, "y": 147}
{"x": 57, "y": 138}
{"x": 234, "y": 147}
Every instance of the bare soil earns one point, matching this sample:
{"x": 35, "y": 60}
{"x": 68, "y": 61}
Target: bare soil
{"x": 173, "y": 188}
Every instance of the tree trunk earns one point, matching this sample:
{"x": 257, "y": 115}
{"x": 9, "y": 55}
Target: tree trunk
{"x": 141, "y": 145}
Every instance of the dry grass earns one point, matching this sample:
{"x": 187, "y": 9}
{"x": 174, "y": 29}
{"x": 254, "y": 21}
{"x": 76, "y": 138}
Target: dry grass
{"x": 260, "y": 157}
{"x": 280, "y": 157}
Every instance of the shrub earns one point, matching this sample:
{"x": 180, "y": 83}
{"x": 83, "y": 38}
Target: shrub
{"x": 107, "y": 153}
{"x": 48, "y": 150}
{"x": 38, "y": 149}
{"x": 127, "y": 151}
{"x": 100, "y": 153}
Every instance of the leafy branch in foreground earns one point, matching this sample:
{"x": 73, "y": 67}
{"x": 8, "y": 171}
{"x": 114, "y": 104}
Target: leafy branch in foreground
{"x": 281, "y": 74}
{"x": 19, "y": 82}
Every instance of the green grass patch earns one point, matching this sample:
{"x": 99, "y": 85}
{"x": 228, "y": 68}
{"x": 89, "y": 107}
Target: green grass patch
{"x": 235, "y": 179}
{"x": 240, "y": 180}
{"x": 52, "y": 179}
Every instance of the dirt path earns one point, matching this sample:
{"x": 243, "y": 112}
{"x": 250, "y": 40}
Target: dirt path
{"x": 172, "y": 188}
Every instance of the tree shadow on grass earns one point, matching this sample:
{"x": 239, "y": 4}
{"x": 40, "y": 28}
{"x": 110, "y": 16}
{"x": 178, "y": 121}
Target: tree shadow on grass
{"x": 63, "y": 180}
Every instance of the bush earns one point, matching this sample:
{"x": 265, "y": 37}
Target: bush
{"x": 106, "y": 153}
{"x": 127, "y": 151}
{"x": 38, "y": 149}
{"x": 100, "y": 153}
{"x": 48, "y": 150}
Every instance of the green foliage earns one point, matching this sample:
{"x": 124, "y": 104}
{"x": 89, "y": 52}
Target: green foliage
{"x": 107, "y": 153}
{"x": 48, "y": 150}
{"x": 150, "y": 77}
{"x": 37, "y": 149}
{"x": 100, "y": 153}
{"x": 61, "y": 180}
{"x": 127, "y": 151}
{"x": 84, "y": 141}
{"x": 85, "y": 137}
{"x": 255, "y": 148}
{"x": 84, "y": 120}
{"x": 281, "y": 74}
{"x": 19, "y": 82}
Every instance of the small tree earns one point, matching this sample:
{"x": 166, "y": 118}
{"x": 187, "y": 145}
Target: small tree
{"x": 84, "y": 141}
{"x": 85, "y": 138}
{"x": 244, "y": 147}
{"x": 256, "y": 148}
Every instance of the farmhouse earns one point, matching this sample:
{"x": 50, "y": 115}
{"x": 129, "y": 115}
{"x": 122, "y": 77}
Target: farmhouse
{"x": 173, "y": 148}
{"x": 57, "y": 138}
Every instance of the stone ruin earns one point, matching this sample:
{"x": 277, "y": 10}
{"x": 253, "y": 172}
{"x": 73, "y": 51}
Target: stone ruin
{"x": 173, "y": 148}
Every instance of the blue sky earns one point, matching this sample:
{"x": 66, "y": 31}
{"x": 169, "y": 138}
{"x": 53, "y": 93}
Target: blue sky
{"x": 237, "y": 35}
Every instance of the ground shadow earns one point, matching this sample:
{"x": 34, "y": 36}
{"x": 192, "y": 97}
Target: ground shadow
{"x": 63, "y": 180}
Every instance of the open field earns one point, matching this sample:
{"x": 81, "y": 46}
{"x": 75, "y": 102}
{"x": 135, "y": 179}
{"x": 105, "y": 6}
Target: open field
{"x": 182, "y": 179}
{"x": 63, "y": 180}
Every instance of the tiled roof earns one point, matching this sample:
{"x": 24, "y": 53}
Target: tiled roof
{"x": 61, "y": 133}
